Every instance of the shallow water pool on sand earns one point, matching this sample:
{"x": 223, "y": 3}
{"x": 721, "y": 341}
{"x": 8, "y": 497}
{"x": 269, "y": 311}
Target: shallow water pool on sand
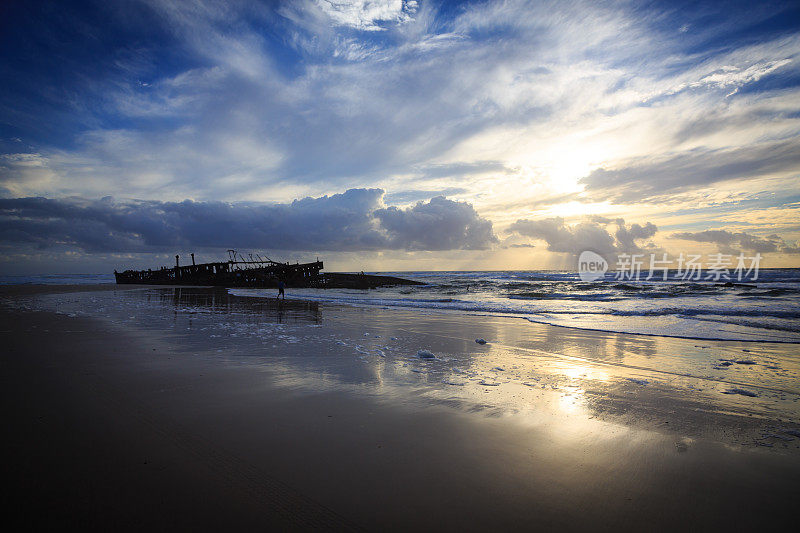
{"x": 743, "y": 392}
{"x": 345, "y": 407}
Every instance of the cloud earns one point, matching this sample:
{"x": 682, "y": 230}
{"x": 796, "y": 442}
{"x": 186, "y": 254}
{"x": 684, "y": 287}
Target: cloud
{"x": 510, "y": 102}
{"x": 655, "y": 180}
{"x": 462, "y": 168}
{"x": 440, "y": 224}
{"x": 369, "y": 15}
{"x": 733, "y": 77}
{"x": 415, "y": 195}
{"x": 355, "y": 220}
{"x": 590, "y": 234}
{"x": 727, "y": 241}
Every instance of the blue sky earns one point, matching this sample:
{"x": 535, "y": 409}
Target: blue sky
{"x": 419, "y": 134}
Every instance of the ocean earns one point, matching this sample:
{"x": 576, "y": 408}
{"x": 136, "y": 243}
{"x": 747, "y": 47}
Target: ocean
{"x": 765, "y": 310}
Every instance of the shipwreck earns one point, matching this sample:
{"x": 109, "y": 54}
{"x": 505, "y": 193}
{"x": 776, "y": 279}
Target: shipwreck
{"x": 255, "y": 272}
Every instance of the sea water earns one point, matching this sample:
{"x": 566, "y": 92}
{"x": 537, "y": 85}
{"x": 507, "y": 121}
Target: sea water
{"x": 766, "y": 309}
{"x": 58, "y": 279}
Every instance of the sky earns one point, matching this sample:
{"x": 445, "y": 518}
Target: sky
{"x": 392, "y": 135}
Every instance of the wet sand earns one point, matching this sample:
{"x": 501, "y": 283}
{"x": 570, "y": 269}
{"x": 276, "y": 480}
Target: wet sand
{"x": 188, "y": 409}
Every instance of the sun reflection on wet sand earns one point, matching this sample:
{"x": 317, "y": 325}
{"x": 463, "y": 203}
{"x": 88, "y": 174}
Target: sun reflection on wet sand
{"x": 570, "y": 378}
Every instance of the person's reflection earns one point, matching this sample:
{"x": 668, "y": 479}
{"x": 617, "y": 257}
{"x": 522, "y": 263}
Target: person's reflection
{"x": 280, "y": 311}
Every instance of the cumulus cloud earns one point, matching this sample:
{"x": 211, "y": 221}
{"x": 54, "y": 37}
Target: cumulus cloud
{"x": 510, "y": 102}
{"x": 355, "y": 220}
{"x": 735, "y": 242}
{"x": 628, "y": 235}
{"x": 440, "y": 224}
{"x": 591, "y": 234}
{"x": 412, "y": 195}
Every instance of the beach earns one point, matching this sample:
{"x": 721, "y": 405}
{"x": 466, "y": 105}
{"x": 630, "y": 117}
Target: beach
{"x": 176, "y": 408}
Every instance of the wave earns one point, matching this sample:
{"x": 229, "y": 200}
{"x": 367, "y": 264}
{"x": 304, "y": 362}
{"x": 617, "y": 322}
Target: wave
{"x": 751, "y": 323}
{"x": 776, "y": 313}
{"x": 505, "y": 307}
{"x": 792, "y": 326}
{"x": 674, "y": 308}
{"x": 562, "y": 296}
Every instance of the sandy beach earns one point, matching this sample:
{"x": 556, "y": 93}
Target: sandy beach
{"x": 400, "y": 265}
{"x": 177, "y": 408}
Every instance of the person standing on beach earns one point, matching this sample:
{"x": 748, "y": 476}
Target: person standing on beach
{"x": 281, "y": 286}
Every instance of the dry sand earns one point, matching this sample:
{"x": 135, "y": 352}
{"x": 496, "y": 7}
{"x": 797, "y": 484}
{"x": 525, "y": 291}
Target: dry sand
{"x": 137, "y": 417}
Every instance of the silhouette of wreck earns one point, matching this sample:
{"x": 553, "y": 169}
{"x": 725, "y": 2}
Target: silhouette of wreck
{"x": 255, "y": 272}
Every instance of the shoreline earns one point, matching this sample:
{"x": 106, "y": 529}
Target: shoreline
{"x": 515, "y": 315}
{"x": 371, "y": 440}
{"x": 660, "y": 359}
{"x": 27, "y": 289}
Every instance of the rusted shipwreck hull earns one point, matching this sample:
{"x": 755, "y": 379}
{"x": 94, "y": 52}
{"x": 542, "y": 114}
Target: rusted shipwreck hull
{"x": 258, "y": 273}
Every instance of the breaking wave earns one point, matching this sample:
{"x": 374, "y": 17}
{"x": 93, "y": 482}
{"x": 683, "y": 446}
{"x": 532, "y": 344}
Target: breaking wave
{"x": 766, "y": 310}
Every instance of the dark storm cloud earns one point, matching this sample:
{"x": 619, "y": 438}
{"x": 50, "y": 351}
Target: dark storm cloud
{"x": 440, "y": 224}
{"x": 732, "y": 243}
{"x": 647, "y": 180}
{"x": 351, "y": 221}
